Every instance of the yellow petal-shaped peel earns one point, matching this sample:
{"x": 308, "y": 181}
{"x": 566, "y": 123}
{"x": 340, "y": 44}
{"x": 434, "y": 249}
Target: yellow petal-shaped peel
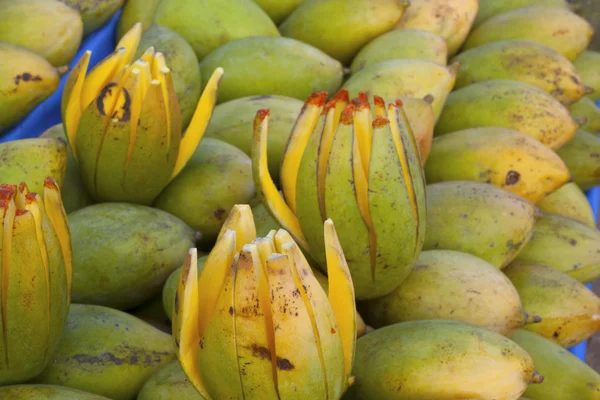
{"x": 71, "y": 106}
{"x": 241, "y": 221}
{"x": 130, "y": 42}
{"x": 100, "y": 76}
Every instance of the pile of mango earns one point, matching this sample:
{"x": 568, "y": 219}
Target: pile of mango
{"x": 300, "y": 199}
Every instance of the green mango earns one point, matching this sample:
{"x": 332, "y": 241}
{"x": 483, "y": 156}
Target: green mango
{"x": 588, "y": 66}
{"x": 405, "y": 78}
{"x": 565, "y": 245}
{"x": 464, "y": 216}
{"x": 508, "y": 104}
{"x": 569, "y": 201}
{"x": 170, "y": 288}
{"x": 135, "y": 11}
{"x": 450, "y": 285}
{"x": 582, "y": 155}
{"x": 402, "y": 44}
{"x": 47, "y": 27}
{"x": 169, "y": 383}
{"x": 32, "y": 160}
{"x": 570, "y": 312}
{"x": 264, "y": 221}
{"x": 108, "y": 352}
{"x": 153, "y": 312}
{"x": 232, "y": 122}
{"x": 278, "y": 10}
{"x": 341, "y": 28}
{"x": 123, "y": 253}
{"x": 46, "y": 392}
{"x": 565, "y": 376}
{"x": 182, "y": 61}
{"x": 73, "y": 192}
{"x": 555, "y": 27}
{"x": 209, "y": 24}
{"x": 491, "y": 8}
{"x": 421, "y": 360}
{"x": 586, "y": 110}
{"x": 94, "y": 13}
{"x": 217, "y": 177}
{"x": 524, "y": 61}
{"x": 272, "y": 66}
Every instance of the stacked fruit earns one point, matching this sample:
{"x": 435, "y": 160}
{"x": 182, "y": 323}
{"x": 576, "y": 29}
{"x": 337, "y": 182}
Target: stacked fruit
{"x": 194, "y": 230}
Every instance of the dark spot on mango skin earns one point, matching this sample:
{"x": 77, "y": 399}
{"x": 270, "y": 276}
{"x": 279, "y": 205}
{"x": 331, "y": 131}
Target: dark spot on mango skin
{"x": 125, "y": 110}
{"x": 26, "y": 77}
{"x": 512, "y": 177}
{"x": 219, "y": 213}
{"x": 260, "y": 352}
{"x": 133, "y": 358}
{"x": 284, "y": 364}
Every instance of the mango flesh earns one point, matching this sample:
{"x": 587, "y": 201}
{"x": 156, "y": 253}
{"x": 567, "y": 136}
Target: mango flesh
{"x": 135, "y": 11}
{"x": 232, "y": 122}
{"x": 421, "y": 360}
{"x": 463, "y": 216}
{"x": 503, "y": 157}
{"x": 555, "y": 27}
{"x": 25, "y": 81}
{"x": 169, "y": 383}
{"x": 588, "y": 66}
{"x": 569, "y": 201}
{"x": 272, "y": 66}
{"x": 170, "y": 288}
{"x": 451, "y": 285}
{"x": 217, "y": 177}
{"x": 395, "y": 79}
{"x": 278, "y": 10}
{"x": 47, "y": 27}
{"x": 582, "y": 155}
{"x": 402, "y": 44}
{"x": 490, "y": 8}
{"x": 565, "y": 245}
{"x": 73, "y": 192}
{"x": 311, "y": 23}
{"x": 570, "y": 312}
{"x": 46, "y": 392}
{"x": 94, "y": 13}
{"x": 107, "y": 352}
{"x": 587, "y": 110}
{"x": 508, "y": 104}
{"x": 32, "y": 160}
{"x": 182, "y": 61}
{"x": 123, "y": 253}
{"x": 565, "y": 376}
{"x": 524, "y": 61}
{"x": 451, "y": 19}
{"x": 221, "y": 21}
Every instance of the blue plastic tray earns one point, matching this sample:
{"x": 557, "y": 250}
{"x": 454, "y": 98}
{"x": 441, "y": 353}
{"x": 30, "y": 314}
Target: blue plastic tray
{"x": 102, "y": 43}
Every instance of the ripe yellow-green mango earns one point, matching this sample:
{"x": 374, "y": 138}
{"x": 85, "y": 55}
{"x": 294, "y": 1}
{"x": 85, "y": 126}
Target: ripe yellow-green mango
{"x": 587, "y": 110}
{"x": 555, "y": 27}
{"x": 588, "y": 66}
{"x": 569, "y": 201}
{"x": 480, "y": 219}
{"x": 170, "y": 288}
{"x": 450, "y": 285}
{"x": 582, "y": 155}
{"x": 421, "y": 360}
{"x": 570, "y": 312}
{"x": 395, "y": 79}
{"x": 272, "y": 66}
{"x": 451, "y": 19}
{"x": 32, "y": 160}
{"x": 500, "y": 156}
{"x": 108, "y": 352}
{"x": 135, "y": 11}
{"x": 26, "y": 79}
{"x": 565, "y": 376}
{"x": 422, "y": 122}
{"x": 341, "y": 27}
{"x": 490, "y": 8}
{"x": 217, "y": 177}
{"x": 508, "y": 104}
{"x": 46, "y": 392}
{"x": 209, "y": 24}
{"x": 182, "y": 61}
{"x": 402, "y": 44}
{"x": 278, "y": 10}
{"x": 73, "y": 192}
{"x": 169, "y": 383}
{"x": 525, "y": 61}
{"x": 566, "y": 245}
{"x": 94, "y": 13}
{"x": 232, "y": 122}
{"x": 47, "y": 27}
{"x": 123, "y": 253}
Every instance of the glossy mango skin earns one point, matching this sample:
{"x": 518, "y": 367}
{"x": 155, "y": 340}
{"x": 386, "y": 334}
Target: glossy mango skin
{"x": 491, "y": 8}
{"x": 580, "y": 154}
{"x": 94, "y": 13}
{"x": 587, "y": 65}
{"x": 569, "y": 201}
{"x": 169, "y": 383}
